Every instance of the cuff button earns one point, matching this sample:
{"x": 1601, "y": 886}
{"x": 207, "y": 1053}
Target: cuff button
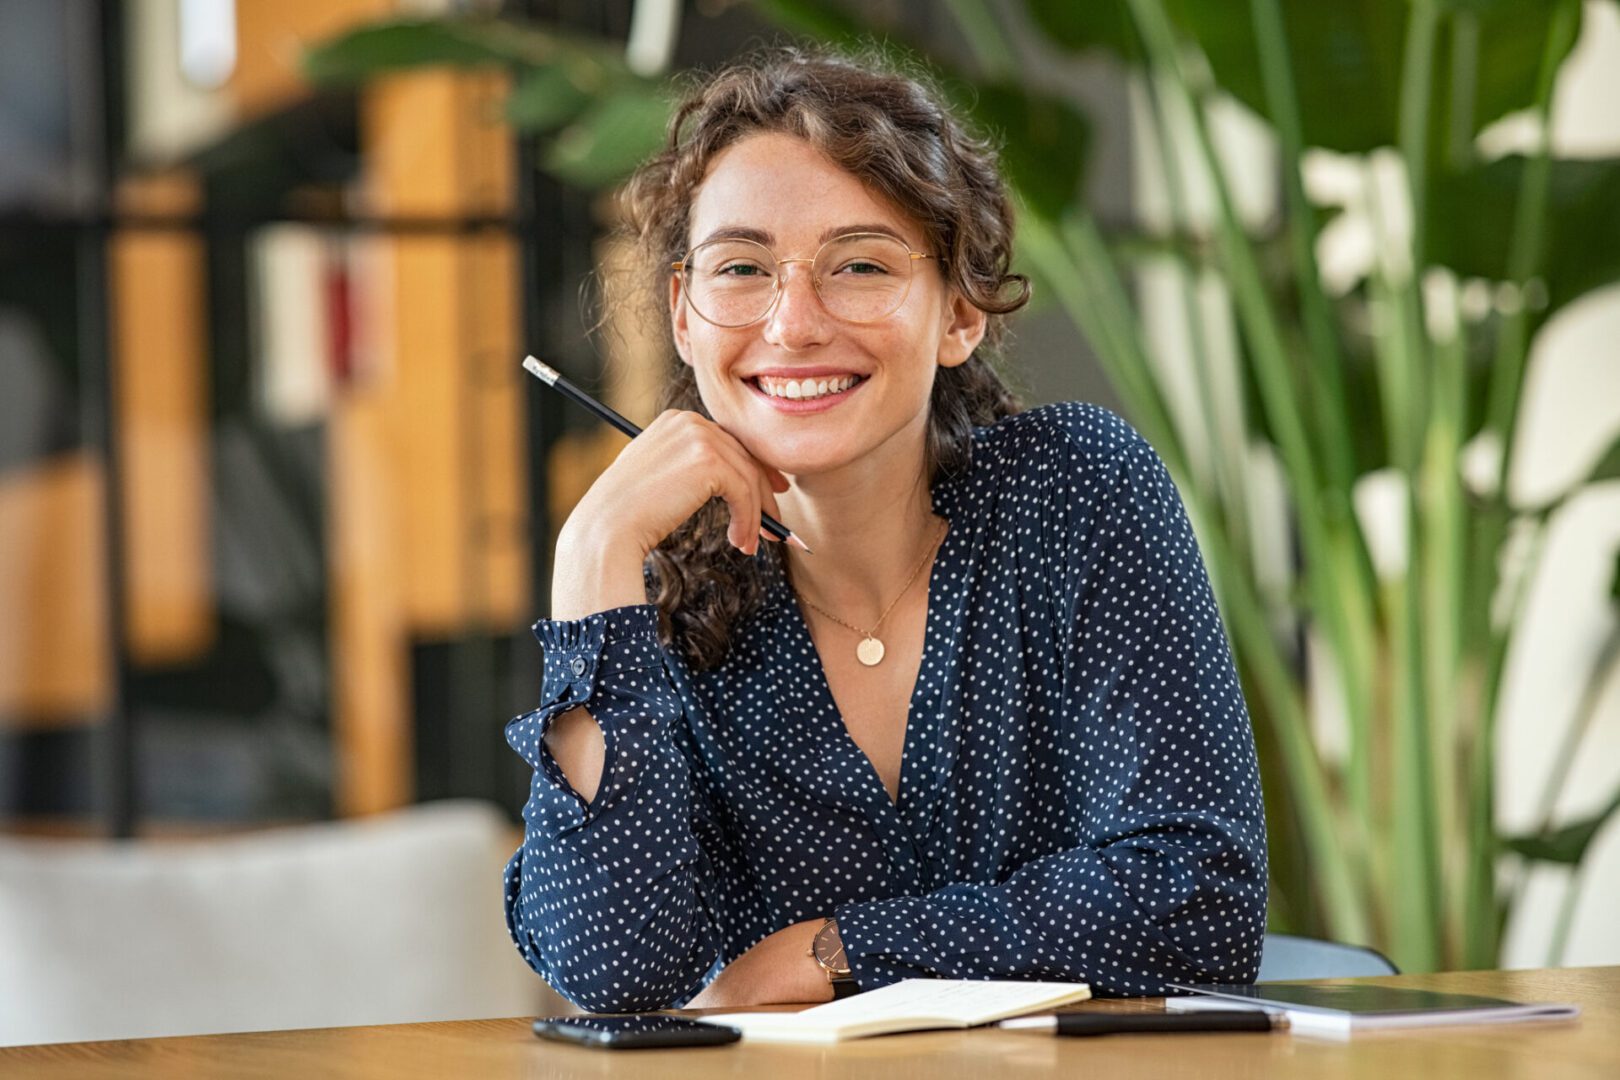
{"x": 578, "y": 665}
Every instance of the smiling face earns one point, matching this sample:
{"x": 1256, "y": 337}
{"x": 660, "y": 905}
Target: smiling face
{"x": 791, "y": 197}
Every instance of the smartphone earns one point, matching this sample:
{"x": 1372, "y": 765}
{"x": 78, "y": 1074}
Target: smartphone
{"x": 633, "y": 1032}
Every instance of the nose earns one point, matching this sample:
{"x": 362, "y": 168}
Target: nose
{"x": 797, "y": 320}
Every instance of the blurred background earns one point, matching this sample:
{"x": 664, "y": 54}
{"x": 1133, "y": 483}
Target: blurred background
{"x": 276, "y": 503}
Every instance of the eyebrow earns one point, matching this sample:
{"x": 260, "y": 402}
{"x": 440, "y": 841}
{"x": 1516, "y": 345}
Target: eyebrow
{"x": 762, "y": 236}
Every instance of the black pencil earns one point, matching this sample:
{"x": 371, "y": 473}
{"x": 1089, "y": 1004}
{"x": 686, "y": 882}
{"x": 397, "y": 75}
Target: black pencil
{"x": 554, "y": 379}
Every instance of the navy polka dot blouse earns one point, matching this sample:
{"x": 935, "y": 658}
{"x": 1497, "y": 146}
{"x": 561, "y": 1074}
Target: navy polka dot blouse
{"x": 1078, "y": 799}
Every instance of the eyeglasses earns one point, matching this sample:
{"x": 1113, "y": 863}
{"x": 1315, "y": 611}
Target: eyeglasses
{"x": 860, "y": 277}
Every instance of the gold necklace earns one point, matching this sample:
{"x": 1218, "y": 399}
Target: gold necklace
{"x": 870, "y": 650}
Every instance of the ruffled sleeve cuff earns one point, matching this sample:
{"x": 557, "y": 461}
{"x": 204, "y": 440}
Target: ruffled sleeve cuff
{"x": 591, "y": 661}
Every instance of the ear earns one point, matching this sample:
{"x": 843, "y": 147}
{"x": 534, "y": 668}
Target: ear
{"x": 677, "y": 319}
{"x": 962, "y": 326}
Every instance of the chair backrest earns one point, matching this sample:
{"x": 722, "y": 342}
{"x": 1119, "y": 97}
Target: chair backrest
{"x": 1289, "y": 957}
{"x": 390, "y": 919}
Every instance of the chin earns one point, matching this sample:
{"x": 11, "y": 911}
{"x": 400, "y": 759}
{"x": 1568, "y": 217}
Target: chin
{"x": 802, "y": 455}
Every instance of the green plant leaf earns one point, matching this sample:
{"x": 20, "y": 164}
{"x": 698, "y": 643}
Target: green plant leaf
{"x": 547, "y": 97}
{"x": 1567, "y": 845}
{"x": 1470, "y": 229}
{"x": 1081, "y": 27}
{"x": 398, "y": 45}
{"x": 1607, "y": 466}
{"x": 820, "y": 20}
{"x": 1346, "y": 56}
{"x": 373, "y": 50}
{"x": 1044, "y": 142}
{"x": 606, "y": 142}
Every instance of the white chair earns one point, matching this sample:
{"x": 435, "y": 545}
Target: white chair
{"x": 391, "y": 919}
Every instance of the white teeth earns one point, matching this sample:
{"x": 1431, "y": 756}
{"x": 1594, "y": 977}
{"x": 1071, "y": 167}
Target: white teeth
{"x": 805, "y": 388}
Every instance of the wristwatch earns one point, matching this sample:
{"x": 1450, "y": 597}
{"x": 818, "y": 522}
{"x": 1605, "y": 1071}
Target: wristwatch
{"x": 828, "y": 949}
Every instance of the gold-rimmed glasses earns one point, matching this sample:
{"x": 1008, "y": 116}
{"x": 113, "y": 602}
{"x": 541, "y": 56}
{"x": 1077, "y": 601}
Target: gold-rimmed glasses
{"x": 860, "y": 277}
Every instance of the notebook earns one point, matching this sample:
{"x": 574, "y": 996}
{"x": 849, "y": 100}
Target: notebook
{"x": 909, "y": 1005}
{"x": 1341, "y": 1008}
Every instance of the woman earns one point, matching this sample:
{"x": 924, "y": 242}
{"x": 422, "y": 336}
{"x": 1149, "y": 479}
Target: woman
{"x": 990, "y": 728}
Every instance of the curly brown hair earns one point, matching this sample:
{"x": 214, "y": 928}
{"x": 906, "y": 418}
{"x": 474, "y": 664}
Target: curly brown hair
{"x": 888, "y": 127}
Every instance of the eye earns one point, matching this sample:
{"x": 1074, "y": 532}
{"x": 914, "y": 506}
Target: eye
{"x": 864, "y": 268}
{"x": 746, "y": 270}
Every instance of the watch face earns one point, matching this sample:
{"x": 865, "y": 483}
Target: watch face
{"x": 829, "y": 950}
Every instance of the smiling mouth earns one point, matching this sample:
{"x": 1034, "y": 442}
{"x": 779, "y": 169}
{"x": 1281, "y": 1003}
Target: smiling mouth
{"x": 805, "y": 389}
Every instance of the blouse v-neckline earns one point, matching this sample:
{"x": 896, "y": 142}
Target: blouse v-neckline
{"x": 903, "y": 818}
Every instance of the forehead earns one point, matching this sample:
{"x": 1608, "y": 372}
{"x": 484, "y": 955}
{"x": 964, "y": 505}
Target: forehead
{"x": 782, "y": 191}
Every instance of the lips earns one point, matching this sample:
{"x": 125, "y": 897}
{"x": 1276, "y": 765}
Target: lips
{"x": 818, "y": 402}
{"x": 809, "y": 386}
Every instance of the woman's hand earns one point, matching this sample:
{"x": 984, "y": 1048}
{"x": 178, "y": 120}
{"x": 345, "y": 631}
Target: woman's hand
{"x": 778, "y": 970}
{"x": 678, "y": 463}
{"x": 664, "y": 476}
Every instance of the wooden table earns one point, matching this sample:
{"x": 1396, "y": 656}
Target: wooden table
{"x": 1589, "y": 1046}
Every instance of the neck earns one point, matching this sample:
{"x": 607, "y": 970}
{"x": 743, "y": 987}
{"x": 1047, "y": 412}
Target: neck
{"x": 870, "y": 523}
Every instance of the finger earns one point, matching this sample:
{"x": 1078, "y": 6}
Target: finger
{"x": 760, "y": 476}
{"x": 767, "y": 494}
{"x": 771, "y": 481}
{"x": 766, "y": 497}
{"x": 768, "y": 503}
{"x": 773, "y": 476}
{"x": 739, "y": 488}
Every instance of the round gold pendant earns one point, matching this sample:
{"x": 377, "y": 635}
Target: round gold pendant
{"x": 869, "y": 651}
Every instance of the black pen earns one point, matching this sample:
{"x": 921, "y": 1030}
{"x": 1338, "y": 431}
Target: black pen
{"x": 554, "y": 379}
{"x": 1150, "y": 1023}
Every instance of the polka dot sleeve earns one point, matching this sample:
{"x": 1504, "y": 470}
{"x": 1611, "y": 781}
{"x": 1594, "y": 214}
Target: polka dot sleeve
{"x": 1168, "y": 882}
{"x": 603, "y": 898}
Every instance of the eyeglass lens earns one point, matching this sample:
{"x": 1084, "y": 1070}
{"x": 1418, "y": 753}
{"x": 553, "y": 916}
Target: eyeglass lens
{"x": 861, "y": 278}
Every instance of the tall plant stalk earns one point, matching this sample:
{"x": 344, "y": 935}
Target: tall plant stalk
{"x": 1506, "y": 383}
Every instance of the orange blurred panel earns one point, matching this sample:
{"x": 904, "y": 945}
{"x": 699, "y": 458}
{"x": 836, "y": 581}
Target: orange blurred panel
{"x": 577, "y": 459}
{"x": 371, "y": 706}
{"x": 433, "y": 150}
{"x": 486, "y": 142}
{"x": 501, "y": 447}
{"x": 427, "y": 431}
{"x": 174, "y": 193}
{"x": 434, "y": 144}
{"x": 272, "y": 34}
{"x": 54, "y": 664}
{"x": 162, "y": 385}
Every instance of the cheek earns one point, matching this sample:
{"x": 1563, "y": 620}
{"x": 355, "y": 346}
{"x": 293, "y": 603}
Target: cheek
{"x": 912, "y": 351}
{"x": 708, "y": 355}
{"x": 712, "y": 362}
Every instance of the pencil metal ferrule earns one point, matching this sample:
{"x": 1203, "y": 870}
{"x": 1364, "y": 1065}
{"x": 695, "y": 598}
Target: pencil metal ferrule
{"x": 542, "y": 371}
